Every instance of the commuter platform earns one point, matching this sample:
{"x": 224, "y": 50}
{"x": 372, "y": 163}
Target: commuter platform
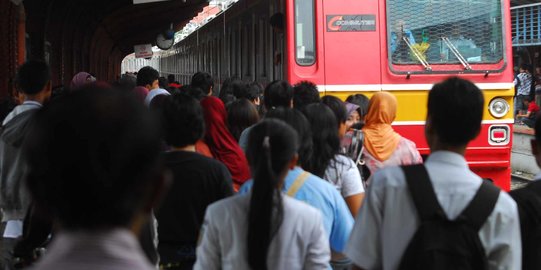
{"x": 523, "y": 164}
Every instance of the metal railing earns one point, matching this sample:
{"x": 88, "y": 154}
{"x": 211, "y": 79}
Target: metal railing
{"x": 526, "y": 25}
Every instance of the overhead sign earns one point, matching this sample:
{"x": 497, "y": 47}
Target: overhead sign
{"x": 135, "y": 2}
{"x": 143, "y": 51}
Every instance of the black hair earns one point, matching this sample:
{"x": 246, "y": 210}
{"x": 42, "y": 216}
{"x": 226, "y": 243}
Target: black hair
{"x": 147, "y": 75}
{"x": 278, "y": 94}
{"x": 182, "y": 120}
{"x": 241, "y": 114}
{"x": 203, "y": 81}
{"x": 305, "y": 93}
{"x": 240, "y": 89}
{"x": 326, "y": 143}
{"x": 277, "y": 20}
{"x": 93, "y": 158}
{"x": 360, "y": 100}
{"x": 255, "y": 90}
{"x": 528, "y": 98}
{"x": 226, "y": 91}
{"x": 194, "y": 92}
{"x": 171, "y": 78}
{"x": 163, "y": 82}
{"x": 271, "y": 146}
{"x": 338, "y": 107}
{"x": 526, "y": 66}
{"x": 157, "y": 102}
{"x": 455, "y": 111}
{"x": 33, "y": 76}
{"x": 297, "y": 121}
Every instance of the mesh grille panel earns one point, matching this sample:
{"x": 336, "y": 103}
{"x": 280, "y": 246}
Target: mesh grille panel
{"x": 444, "y": 31}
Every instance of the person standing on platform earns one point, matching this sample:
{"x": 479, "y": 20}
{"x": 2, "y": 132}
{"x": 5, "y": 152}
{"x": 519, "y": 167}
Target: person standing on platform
{"x": 523, "y": 83}
{"x": 390, "y": 217}
{"x": 34, "y": 84}
{"x": 198, "y": 181}
{"x": 529, "y": 208}
{"x": 93, "y": 159}
{"x": 264, "y": 229}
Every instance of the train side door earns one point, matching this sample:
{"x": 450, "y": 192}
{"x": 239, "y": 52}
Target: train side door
{"x": 351, "y": 32}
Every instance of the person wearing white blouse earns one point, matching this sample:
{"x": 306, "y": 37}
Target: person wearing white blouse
{"x": 264, "y": 229}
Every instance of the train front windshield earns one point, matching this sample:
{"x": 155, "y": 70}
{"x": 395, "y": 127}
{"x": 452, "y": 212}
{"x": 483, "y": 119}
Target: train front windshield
{"x": 444, "y": 32}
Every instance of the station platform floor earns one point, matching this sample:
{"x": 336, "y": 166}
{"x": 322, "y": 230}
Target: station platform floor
{"x": 523, "y": 164}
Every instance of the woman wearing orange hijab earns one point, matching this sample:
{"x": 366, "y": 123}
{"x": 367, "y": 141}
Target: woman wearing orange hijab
{"x": 382, "y": 145}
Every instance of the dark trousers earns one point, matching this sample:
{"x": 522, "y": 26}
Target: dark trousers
{"x": 6, "y": 250}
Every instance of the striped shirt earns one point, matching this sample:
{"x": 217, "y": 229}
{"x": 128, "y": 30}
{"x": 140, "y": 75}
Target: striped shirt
{"x": 525, "y": 85}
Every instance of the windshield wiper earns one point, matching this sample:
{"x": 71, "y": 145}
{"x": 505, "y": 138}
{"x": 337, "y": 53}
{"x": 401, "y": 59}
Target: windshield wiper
{"x": 417, "y": 54}
{"x": 455, "y": 51}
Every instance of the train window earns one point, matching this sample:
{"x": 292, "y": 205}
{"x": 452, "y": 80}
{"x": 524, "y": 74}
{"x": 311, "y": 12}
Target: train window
{"x": 305, "y": 52}
{"x": 445, "y": 32}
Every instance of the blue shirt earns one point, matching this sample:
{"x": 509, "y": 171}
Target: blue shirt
{"x": 337, "y": 219}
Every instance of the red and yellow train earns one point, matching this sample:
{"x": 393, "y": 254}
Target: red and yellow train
{"x": 352, "y": 46}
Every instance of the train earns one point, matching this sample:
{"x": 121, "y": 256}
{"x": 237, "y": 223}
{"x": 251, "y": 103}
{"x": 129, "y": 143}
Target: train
{"x": 349, "y": 46}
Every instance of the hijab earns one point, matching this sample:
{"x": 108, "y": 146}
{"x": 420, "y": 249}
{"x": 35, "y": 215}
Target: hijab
{"x": 380, "y": 139}
{"x": 222, "y": 144}
{"x": 350, "y": 107}
{"x": 81, "y": 79}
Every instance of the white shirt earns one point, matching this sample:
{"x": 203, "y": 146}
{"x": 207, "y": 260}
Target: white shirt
{"x": 116, "y": 249}
{"x": 26, "y": 106}
{"x": 388, "y": 219}
{"x": 300, "y": 243}
{"x": 344, "y": 175}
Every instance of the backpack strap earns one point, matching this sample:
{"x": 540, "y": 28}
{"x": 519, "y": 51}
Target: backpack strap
{"x": 422, "y": 192}
{"x": 481, "y": 205}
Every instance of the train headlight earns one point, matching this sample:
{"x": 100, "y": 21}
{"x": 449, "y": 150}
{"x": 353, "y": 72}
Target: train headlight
{"x": 498, "y": 107}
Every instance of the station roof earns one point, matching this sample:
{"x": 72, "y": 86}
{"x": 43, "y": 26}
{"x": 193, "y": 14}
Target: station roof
{"x": 100, "y": 31}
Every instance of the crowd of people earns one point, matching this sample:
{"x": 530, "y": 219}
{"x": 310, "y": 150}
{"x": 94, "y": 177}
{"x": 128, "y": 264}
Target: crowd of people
{"x": 146, "y": 174}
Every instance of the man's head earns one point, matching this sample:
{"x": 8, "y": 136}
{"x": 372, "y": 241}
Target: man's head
{"x": 182, "y": 120}
{"x": 305, "y": 93}
{"x": 171, "y": 78}
{"x": 455, "y": 112}
{"x": 526, "y": 100}
{"x": 33, "y": 78}
{"x": 203, "y": 81}
{"x": 148, "y": 78}
{"x": 93, "y": 159}
{"x": 525, "y": 68}
{"x": 278, "y": 94}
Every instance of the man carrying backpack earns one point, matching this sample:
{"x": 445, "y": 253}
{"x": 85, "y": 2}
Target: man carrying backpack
{"x": 529, "y": 207}
{"x": 439, "y": 215}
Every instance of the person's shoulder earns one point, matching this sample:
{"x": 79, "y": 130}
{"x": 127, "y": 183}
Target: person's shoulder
{"x": 300, "y": 208}
{"x": 318, "y": 184}
{"x": 342, "y": 159}
{"x": 391, "y": 176}
{"x": 505, "y": 209}
{"x": 405, "y": 142}
{"x": 227, "y": 205}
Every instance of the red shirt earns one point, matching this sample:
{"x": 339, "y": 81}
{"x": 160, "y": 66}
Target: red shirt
{"x": 533, "y": 109}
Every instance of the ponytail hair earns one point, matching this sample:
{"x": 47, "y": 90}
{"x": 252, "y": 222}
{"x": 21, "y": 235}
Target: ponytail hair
{"x": 271, "y": 146}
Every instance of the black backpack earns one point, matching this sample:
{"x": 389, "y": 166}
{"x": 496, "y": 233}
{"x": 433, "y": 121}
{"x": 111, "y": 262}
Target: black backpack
{"x": 529, "y": 208}
{"x": 440, "y": 243}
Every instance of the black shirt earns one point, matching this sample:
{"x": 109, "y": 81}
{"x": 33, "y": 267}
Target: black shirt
{"x": 197, "y": 182}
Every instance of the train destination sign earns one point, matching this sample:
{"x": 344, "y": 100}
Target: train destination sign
{"x": 351, "y": 23}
